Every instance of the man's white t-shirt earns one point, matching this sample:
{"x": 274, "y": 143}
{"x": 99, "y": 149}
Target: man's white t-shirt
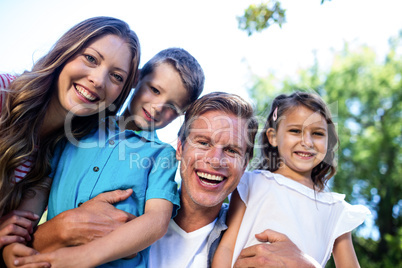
{"x": 181, "y": 249}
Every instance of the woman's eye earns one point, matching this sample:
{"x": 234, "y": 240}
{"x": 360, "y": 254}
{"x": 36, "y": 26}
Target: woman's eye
{"x": 154, "y": 90}
{"x": 319, "y": 134}
{"x": 90, "y": 58}
{"x": 118, "y": 77}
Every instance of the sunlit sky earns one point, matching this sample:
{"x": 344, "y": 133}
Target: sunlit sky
{"x": 208, "y": 30}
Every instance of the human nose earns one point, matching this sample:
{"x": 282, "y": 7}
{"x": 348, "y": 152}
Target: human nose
{"x": 98, "y": 78}
{"x": 214, "y": 158}
{"x": 307, "y": 140}
{"x": 158, "y": 108}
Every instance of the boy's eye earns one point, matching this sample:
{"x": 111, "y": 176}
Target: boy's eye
{"x": 154, "y": 90}
{"x": 174, "y": 109}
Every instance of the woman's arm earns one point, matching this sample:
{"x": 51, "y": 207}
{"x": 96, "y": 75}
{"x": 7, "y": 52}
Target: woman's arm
{"x": 127, "y": 239}
{"x": 25, "y": 219}
{"x": 17, "y": 226}
{"x": 344, "y": 252}
{"x": 224, "y": 253}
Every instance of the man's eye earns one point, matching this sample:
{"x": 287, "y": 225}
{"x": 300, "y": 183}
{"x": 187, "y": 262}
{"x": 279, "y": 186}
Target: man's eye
{"x": 203, "y": 143}
{"x": 231, "y": 151}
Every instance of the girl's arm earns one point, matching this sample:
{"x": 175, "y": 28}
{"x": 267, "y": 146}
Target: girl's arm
{"x": 224, "y": 253}
{"x": 127, "y": 239}
{"x": 344, "y": 252}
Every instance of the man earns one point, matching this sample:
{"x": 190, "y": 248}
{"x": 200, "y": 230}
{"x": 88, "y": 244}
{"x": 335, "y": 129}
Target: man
{"x": 215, "y": 145}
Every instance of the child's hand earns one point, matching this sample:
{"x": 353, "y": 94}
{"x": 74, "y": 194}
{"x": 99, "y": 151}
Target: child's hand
{"x": 61, "y": 258}
{"x": 16, "y": 227}
{"x": 13, "y": 251}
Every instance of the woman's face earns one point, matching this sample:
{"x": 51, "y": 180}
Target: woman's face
{"x": 94, "y": 78}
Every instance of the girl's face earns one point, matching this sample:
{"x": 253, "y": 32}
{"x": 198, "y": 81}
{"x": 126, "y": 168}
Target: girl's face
{"x": 94, "y": 78}
{"x": 302, "y": 140}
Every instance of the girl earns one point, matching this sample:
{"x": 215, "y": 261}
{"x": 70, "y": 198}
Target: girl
{"x": 90, "y": 68}
{"x": 287, "y": 194}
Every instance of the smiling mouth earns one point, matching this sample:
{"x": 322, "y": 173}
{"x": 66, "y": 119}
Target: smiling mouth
{"x": 149, "y": 117}
{"x": 210, "y": 179}
{"x": 305, "y": 154}
{"x": 85, "y": 93}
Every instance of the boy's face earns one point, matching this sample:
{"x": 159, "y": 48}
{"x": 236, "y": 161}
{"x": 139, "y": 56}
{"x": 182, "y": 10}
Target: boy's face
{"x": 159, "y": 98}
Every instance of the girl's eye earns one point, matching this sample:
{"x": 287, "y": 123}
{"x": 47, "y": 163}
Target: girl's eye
{"x": 154, "y": 90}
{"x": 90, "y": 58}
{"x": 118, "y": 77}
{"x": 319, "y": 134}
{"x": 295, "y": 130}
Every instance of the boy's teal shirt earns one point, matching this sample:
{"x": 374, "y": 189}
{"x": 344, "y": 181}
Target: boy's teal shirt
{"x": 110, "y": 159}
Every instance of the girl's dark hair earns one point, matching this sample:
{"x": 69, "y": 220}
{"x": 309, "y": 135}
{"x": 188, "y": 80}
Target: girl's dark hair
{"x": 270, "y": 158}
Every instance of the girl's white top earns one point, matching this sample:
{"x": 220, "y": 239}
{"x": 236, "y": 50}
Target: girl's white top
{"x": 311, "y": 219}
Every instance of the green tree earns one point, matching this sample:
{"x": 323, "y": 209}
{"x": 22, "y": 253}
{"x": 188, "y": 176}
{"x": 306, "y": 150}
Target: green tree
{"x": 365, "y": 95}
{"x": 258, "y": 17}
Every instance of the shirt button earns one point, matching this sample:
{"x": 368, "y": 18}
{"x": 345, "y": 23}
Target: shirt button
{"x": 96, "y": 169}
{"x": 111, "y": 142}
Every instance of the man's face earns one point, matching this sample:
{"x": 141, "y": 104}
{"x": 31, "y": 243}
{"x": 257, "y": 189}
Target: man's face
{"x": 212, "y": 158}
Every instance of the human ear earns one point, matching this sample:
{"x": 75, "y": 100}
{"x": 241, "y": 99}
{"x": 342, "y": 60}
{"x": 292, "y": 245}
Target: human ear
{"x": 179, "y": 150}
{"x": 271, "y": 135}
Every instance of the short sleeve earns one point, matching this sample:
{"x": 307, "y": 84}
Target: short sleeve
{"x": 5, "y": 81}
{"x": 351, "y": 217}
{"x": 161, "y": 180}
{"x": 243, "y": 187}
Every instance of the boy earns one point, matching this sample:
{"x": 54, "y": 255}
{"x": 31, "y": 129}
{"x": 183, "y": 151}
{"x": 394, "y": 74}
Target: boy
{"x": 127, "y": 154}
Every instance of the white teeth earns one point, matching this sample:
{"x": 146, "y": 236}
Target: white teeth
{"x": 209, "y": 176}
{"x": 85, "y": 93}
{"x": 305, "y": 154}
